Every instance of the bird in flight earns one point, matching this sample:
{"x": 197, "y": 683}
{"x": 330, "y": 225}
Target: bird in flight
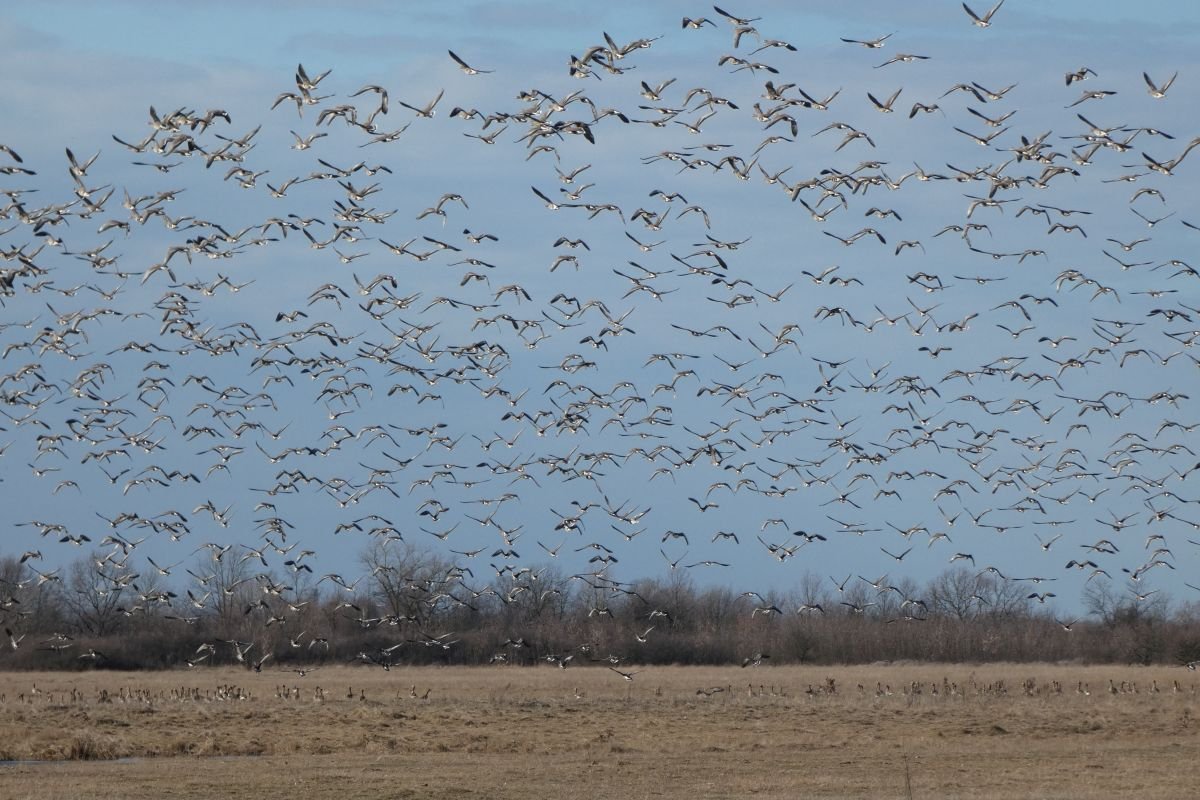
{"x": 984, "y": 21}
{"x": 1158, "y": 92}
{"x": 872, "y": 44}
{"x": 467, "y": 68}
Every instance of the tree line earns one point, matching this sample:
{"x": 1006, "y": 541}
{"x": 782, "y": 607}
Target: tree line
{"x": 411, "y": 606}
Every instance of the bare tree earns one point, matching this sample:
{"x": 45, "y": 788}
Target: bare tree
{"x": 958, "y": 593}
{"x": 95, "y": 597}
{"x": 228, "y": 580}
{"x": 409, "y": 584}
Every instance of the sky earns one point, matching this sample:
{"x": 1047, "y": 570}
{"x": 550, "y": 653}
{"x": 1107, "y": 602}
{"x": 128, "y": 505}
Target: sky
{"x": 907, "y": 419}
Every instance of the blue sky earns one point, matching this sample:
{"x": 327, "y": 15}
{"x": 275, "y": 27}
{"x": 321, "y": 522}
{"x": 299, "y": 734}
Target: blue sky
{"x": 77, "y": 74}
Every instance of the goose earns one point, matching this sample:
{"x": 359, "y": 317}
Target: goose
{"x": 488, "y": 139}
{"x": 902, "y": 58}
{"x": 1092, "y": 95}
{"x": 982, "y": 141}
{"x": 1156, "y": 91}
{"x": 885, "y": 107}
{"x": 1167, "y": 167}
{"x": 239, "y": 649}
{"x": 428, "y": 111}
{"x": 654, "y": 94}
{"x": 736, "y": 21}
{"x": 465, "y": 67}
{"x": 774, "y": 43}
{"x": 303, "y": 81}
{"x": 870, "y": 44}
{"x": 304, "y": 143}
{"x": 984, "y": 21}
{"x": 857, "y": 608}
{"x": 1080, "y": 74}
{"x": 79, "y": 170}
{"x": 479, "y": 238}
{"x": 165, "y": 571}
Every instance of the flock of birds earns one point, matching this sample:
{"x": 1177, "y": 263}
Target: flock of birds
{"x": 971, "y": 688}
{"x": 652, "y": 366}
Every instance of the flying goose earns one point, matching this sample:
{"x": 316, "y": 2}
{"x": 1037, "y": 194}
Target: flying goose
{"x": 736, "y": 21}
{"x": 885, "y": 108}
{"x": 871, "y": 44}
{"x": 465, "y": 67}
{"x": 1158, "y": 92}
{"x": 428, "y": 111}
{"x": 1080, "y": 74}
{"x": 986, "y": 19}
{"x": 628, "y": 676}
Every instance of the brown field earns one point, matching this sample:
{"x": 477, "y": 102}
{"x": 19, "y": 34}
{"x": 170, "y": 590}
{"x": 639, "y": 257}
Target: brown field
{"x": 522, "y": 732}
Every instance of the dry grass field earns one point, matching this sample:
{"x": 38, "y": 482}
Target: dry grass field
{"x": 996, "y": 731}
